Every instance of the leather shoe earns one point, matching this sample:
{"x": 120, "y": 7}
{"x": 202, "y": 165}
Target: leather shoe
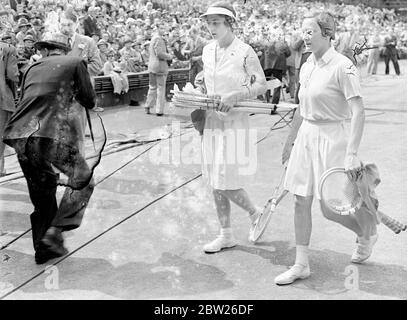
{"x": 42, "y": 255}
{"x": 51, "y": 246}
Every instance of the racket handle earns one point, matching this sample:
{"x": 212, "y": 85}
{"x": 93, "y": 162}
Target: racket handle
{"x": 393, "y": 224}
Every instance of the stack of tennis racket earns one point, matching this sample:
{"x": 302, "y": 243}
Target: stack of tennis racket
{"x": 182, "y": 99}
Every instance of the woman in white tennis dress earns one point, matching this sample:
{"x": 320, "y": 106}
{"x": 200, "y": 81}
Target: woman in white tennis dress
{"x": 329, "y": 94}
{"x": 232, "y": 71}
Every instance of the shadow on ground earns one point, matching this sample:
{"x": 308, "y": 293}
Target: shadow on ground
{"x": 328, "y": 271}
{"x": 170, "y": 275}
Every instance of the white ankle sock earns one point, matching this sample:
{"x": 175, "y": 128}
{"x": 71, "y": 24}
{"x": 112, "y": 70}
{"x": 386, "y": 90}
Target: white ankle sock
{"x": 226, "y": 232}
{"x": 301, "y": 255}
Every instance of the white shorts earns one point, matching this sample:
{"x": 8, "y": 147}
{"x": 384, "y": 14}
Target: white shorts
{"x": 318, "y": 147}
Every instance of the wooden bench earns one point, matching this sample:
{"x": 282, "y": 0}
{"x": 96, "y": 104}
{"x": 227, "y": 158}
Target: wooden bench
{"x": 138, "y": 87}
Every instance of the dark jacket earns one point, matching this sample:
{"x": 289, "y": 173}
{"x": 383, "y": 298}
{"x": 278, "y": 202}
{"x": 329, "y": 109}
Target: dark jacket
{"x": 90, "y": 27}
{"x": 8, "y": 76}
{"x": 55, "y": 91}
{"x": 390, "y": 46}
{"x": 275, "y": 56}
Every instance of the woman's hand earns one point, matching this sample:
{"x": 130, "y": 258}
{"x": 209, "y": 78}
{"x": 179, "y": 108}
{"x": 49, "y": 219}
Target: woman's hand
{"x": 352, "y": 166}
{"x": 229, "y": 100}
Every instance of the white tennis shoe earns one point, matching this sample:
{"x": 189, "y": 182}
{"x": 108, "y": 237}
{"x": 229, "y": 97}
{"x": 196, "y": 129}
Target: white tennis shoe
{"x": 297, "y": 271}
{"x": 221, "y": 242}
{"x": 364, "y": 249}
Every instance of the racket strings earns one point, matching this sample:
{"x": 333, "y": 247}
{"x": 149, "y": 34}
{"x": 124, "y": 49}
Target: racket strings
{"x": 340, "y": 193}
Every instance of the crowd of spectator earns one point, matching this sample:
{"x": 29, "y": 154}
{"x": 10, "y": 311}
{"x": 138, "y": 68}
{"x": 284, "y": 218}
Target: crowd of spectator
{"x": 122, "y": 29}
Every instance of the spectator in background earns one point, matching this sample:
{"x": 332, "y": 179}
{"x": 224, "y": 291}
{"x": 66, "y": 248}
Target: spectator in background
{"x": 90, "y": 24}
{"x": 193, "y": 49}
{"x": 23, "y": 27}
{"x": 9, "y": 77}
{"x": 158, "y": 71}
{"x": 275, "y": 65}
{"x": 36, "y": 30}
{"x": 5, "y": 24}
{"x": 29, "y": 50}
{"x": 374, "y": 54}
{"x": 82, "y": 46}
{"x": 103, "y": 47}
{"x": 127, "y": 50}
{"x": 113, "y": 69}
{"x": 390, "y": 53}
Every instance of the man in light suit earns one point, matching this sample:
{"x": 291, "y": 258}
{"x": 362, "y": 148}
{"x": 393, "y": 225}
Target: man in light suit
{"x": 82, "y": 46}
{"x": 8, "y": 80}
{"x": 158, "y": 71}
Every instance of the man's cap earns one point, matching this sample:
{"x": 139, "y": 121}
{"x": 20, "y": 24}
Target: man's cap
{"x": 29, "y": 38}
{"x": 37, "y": 22}
{"x": 22, "y": 15}
{"x": 6, "y": 36}
{"x": 102, "y": 42}
{"x": 23, "y": 22}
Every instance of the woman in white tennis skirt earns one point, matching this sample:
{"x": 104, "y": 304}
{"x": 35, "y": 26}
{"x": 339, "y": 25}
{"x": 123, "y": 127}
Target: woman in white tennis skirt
{"x": 329, "y": 94}
{"x": 231, "y": 70}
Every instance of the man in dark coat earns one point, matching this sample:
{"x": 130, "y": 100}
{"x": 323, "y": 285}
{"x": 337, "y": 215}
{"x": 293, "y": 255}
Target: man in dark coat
{"x": 275, "y": 65}
{"x": 8, "y": 85}
{"x": 390, "y": 53}
{"x": 46, "y": 131}
{"x": 90, "y": 24}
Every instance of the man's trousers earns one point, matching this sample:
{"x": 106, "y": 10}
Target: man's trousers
{"x": 4, "y": 116}
{"x": 37, "y": 160}
{"x": 156, "y": 92}
{"x": 393, "y": 58}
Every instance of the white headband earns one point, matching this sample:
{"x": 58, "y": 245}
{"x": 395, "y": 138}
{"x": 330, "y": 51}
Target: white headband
{"x": 218, "y": 10}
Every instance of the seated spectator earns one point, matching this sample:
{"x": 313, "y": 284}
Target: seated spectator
{"x": 119, "y": 78}
{"x": 127, "y": 49}
{"x": 103, "y": 47}
{"x": 138, "y": 58}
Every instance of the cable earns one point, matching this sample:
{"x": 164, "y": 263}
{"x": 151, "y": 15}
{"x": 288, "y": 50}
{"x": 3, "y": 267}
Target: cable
{"x": 101, "y": 234}
{"x": 108, "y": 176}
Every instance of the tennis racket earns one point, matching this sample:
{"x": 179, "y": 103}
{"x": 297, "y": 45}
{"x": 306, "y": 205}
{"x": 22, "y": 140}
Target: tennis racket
{"x": 269, "y": 209}
{"x": 340, "y": 194}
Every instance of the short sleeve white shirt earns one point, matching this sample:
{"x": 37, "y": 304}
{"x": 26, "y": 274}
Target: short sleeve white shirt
{"x": 326, "y": 87}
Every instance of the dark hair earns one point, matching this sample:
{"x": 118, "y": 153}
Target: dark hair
{"x": 325, "y": 21}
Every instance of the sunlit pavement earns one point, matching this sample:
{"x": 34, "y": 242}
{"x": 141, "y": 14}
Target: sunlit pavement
{"x": 146, "y": 224}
